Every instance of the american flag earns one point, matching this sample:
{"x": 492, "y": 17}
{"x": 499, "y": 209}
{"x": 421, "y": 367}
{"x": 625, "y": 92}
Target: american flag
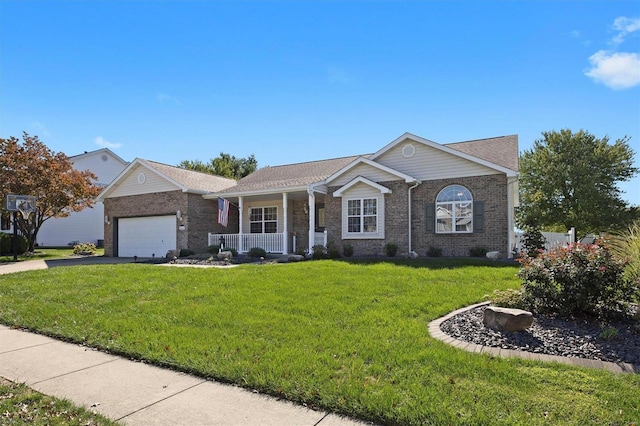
{"x": 223, "y": 211}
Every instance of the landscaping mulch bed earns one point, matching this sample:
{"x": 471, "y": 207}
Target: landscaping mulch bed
{"x": 554, "y": 336}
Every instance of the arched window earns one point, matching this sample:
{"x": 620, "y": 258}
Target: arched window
{"x": 454, "y": 210}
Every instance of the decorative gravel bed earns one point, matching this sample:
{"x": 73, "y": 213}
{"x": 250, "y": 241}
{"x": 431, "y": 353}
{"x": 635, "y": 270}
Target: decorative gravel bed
{"x": 554, "y": 336}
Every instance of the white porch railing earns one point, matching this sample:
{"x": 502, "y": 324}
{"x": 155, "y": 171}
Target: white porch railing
{"x": 320, "y": 239}
{"x": 271, "y": 243}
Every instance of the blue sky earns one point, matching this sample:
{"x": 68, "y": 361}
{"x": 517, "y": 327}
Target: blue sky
{"x": 299, "y": 81}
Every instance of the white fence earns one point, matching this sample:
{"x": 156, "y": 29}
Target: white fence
{"x": 271, "y": 243}
{"x": 552, "y": 239}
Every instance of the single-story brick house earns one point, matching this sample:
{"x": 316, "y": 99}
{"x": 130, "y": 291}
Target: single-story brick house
{"x": 413, "y": 192}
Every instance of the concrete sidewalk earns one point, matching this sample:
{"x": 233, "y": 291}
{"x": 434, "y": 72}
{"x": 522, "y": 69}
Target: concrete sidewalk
{"x": 32, "y": 265}
{"x": 134, "y": 393}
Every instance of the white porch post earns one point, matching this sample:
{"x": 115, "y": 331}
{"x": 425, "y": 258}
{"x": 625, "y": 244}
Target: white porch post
{"x": 285, "y": 223}
{"x": 312, "y": 219}
{"x": 240, "y": 216}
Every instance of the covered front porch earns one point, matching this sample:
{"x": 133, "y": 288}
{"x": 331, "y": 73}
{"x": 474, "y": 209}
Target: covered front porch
{"x": 286, "y": 222}
{"x": 271, "y": 243}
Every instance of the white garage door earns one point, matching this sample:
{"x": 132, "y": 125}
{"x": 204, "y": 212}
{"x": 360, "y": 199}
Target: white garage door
{"x": 146, "y": 236}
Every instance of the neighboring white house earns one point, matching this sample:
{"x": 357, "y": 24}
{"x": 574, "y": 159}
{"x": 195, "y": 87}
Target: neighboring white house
{"x": 86, "y": 226}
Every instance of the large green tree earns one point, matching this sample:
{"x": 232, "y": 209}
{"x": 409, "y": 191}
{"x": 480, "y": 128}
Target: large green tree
{"x": 571, "y": 179}
{"x": 225, "y": 165}
{"x": 31, "y": 168}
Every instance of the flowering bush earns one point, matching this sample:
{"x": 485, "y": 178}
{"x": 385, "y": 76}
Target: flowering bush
{"x": 576, "y": 280}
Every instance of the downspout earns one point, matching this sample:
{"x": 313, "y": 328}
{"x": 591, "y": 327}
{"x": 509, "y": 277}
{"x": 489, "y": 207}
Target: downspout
{"x": 409, "y": 219}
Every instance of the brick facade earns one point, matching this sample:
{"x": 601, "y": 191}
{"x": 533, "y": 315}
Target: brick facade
{"x": 199, "y": 217}
{"x": 492, "y": 189}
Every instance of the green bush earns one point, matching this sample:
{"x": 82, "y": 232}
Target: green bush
{"x": 391, "y": 249}
{"x": 186, "y": 253}
{"x": 532, "y": 241}
{"x": 213, "y": 249}
{"x": 84, "y": 248}
{"x": 347, "y": 250}
{"x": 509, "y": 298}
{"x": 6, "y": 244}
{"x": 434, "y": 252}
{"x": 478, "y": 251}
{"x": 319, "y": 252}
{"x": 332, "y": 250}
{"x": 257, "y": 252}
{"x": 577, "y": 280}
{"x": 627, "y": 246}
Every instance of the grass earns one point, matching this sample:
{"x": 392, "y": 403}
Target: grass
{"x": 46, "y": 253}
{"x": 349, "y": 337}
{"x": 21, "y": 405}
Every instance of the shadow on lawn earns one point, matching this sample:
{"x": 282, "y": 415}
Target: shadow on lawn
{"x": 432, "y": 263}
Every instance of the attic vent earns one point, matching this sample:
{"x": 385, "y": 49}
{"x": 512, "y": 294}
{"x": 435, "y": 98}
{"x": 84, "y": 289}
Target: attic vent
{"x": 104, "y": 157}
{"x": 408, "y": 150}
{"x": 141, "y": 178}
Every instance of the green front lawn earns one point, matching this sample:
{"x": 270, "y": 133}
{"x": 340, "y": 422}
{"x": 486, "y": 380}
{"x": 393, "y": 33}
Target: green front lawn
{"x": 46, "y": 253}
{"x": 348, "y": 337}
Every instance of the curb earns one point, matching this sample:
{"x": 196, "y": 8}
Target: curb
{"x": 437, "y": 333}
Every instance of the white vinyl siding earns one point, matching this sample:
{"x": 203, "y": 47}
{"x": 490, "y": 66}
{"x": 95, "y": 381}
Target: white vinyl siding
{"x": 429, "y": 163}
{"x": 362, "y": 213}
{"x": 372, "y": 173}
{"x": 86, "y": 226}
{"x": 152, "y": 183}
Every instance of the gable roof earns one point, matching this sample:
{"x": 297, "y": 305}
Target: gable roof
{"x": 475, "y": 146}
{"x": 185, "y": 180}
{"x": 364, "y": 160}
{"x": 364, "y": 180}
{"x": 290, "y": 176}
{"x": 76, "y": 157}
{"x": 501, "y": 150}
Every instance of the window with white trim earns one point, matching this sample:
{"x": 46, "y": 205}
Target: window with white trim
{"x": 362, "y": 215}
{"x": 454, "y": 210}
{"x": 263, "y": 220}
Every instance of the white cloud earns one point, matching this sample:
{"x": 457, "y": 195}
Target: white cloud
{"x": 41, "y": 128}
{"x": 102, "y": 143}
{"x": 617, "y": 70}
{"x": 163, "y": 97}
{"x": 625, "y": 26}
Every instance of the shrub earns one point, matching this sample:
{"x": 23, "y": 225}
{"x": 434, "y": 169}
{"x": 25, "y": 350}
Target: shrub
{"x": 347, "y": 250}
{"x": 319, "y": 252}
{"x": 84, "y": 248}
{"x": 576, "y": 280}
{"x": 532, "y": 241}
{"x": 6, "y": 244}
{"x": 213, "y": 249}
{"x": 434, "y": 252}
{"x": 186, "y": 253}
{"x": 627, "y": 246}
{"x": 257, "y": 252}
{"x": 478, "y": 251}
{"x": 509, "y": 298}
{"x": 332, "y": 250}
{"x": 391, "y": 249}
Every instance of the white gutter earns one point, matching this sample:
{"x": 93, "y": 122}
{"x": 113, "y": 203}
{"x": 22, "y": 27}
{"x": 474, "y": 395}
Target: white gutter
{"x": 409, "y": 219}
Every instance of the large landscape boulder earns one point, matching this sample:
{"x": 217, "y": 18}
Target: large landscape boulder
{"x": 225, "y": 255}
{"x": 507, "y": 319}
